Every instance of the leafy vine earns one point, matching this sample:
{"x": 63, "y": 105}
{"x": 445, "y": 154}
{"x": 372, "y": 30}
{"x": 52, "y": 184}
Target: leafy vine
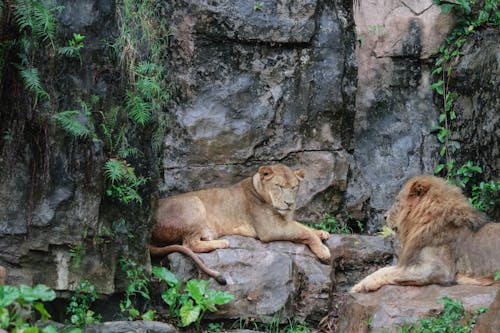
{"x": 470, "y": 19}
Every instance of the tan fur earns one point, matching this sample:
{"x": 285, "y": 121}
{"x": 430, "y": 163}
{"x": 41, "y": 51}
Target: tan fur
{"x": 261, "y": 206}
{"x": 3, "y": 275}
{"x": 444, "y": 240}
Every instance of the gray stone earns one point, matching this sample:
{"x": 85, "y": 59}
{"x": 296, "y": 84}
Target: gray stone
{"x": 396, "y": 305}
{"x": 266, "y": 279}
{"x": 131, "y": 327}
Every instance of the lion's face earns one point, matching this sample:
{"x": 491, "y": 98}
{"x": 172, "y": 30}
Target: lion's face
{"x": 279, "y": 185}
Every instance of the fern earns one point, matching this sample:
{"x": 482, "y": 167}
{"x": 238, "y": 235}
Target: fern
{"x": 147, "y": 68}
{"x": 127, "y": 152}
{"x": 33, "y": 17}
{"x": 149, "y": 88}
{"x": 71, "y": 123}
{"x": 124, "y": 183}
{"x": 32, "y": 82}
{"x": 115, "y": 170}
{"x": 138, "y": 109}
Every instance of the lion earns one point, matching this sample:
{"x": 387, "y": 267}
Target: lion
{"x": 444, "y": 239}
{"x": 261, "y": 207}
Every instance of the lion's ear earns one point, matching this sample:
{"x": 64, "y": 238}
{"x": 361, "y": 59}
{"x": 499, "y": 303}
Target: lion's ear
{"x": 419, "y": 188}
{"x": 300, "y": 174}
{"x": 265, "y": 172}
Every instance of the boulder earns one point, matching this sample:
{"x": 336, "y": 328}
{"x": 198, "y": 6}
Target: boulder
{"x": 131, "y": 327}
{"x": 267, "y": 279}
{"x": 398, "y": 305}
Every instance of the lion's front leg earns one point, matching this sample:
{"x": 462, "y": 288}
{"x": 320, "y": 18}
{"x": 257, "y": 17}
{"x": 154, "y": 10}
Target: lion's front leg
{"x": 297, "y": 232}
{"x": 434, "y": 270}
{"x": 376, "y": 280}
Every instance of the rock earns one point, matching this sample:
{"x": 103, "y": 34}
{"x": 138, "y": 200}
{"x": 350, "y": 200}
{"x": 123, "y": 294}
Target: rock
{"x": 281, "y": 90}
{"x": 131, "y": 327}
{"x": 489, "y": 322}
{"x": 476, "y": 80}
{"x": 395, "y": 109}
{"x": 356, "y": 256}
{"x": 267, "y": 279}
{"x": 398, "y": 305}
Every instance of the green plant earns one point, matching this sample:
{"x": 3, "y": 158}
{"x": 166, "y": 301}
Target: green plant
{"x": 123, "y": 182}
{"x": 215, "y": 327}
{"x": 137, "y": 286}
{"x": 258, "y": 5}
{"x": 330, "y": 224}
{"x": 485, "y": 195}
{"x": 296, "y": 327}
{"x": 36, "y": 24}
{"x": 453, "y": 319}
{"x": 190, "y": 306}
{"x": 485, "y": 14}
{"x": 18, "y": 306}
{"x": 497, "y": 277}
{"x": 78, "y": 123}
{"x": 8, "y": 135}
{"x": 79, "y": 306}
{"x": 74, "y": 47}
{"x": 142, "y": 27}
{"x": 75, "y": 253}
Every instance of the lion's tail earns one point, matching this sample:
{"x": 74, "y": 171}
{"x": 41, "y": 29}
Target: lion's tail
{"x": 158, "y": 251}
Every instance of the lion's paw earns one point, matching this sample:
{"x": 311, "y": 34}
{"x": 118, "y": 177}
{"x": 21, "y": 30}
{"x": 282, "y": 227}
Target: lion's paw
{"x": 324, "y": 254}
{"x": 358, "y": 288}
{"x": 323, "y": 235}
{"x": 224, "y": 243}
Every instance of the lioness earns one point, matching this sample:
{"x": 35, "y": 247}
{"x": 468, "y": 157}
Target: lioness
{"x": 444, "y": 240}
{"x": 261, "y": 206}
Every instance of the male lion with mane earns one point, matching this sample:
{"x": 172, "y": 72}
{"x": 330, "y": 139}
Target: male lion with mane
{"x": 261, "y": 206}
{"x": 444, "y": 240}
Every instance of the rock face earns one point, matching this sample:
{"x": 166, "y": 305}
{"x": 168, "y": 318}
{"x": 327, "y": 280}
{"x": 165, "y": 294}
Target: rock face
{"x": 394, "y": 107}
{"x": 259, "y": 86}
{"x": 57, "y": 226}
{"x": 286, "y": 278}
{"x": 395, "y": 305}
{"x": 477, "y": 128}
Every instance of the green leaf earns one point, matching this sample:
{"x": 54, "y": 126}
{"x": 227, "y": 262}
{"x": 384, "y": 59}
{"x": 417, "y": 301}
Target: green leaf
{"x": 439, "y": 168}
{"x": 442, "y": 117}
{"x": 497, "y": 277}
{"x": 442, "y": 152}
{"x": 50, "y": 329}
{"x": 4, "y": 318}
{"x": 114, "y": 170}
{"x": 39, "y": 292}
{"x": 437, "y": 70}
{"x": 446, "y": 8}
{"x": 165, "y": 275}
{"x": 170, "y": 296}
{"x": 41, "y": 309}
{"x": 148, "y": 315}
{"x": 197, "y": 289}
{"x": 438, "y": 87}
{"x": 219, "y": 297}
{"x": 8, "y": 294}
{"x": 71, "y": 122}
{"x": 189, "y": 313}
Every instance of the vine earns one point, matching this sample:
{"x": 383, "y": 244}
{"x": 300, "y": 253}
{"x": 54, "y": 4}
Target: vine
{"x": 485, "y": 14}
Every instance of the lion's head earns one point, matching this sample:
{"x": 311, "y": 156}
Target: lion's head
{"x": 278, "y": 185}
{"x": 427, "y": 211}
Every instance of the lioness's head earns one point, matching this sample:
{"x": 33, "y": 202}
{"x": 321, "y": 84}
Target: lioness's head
{"x": 278, "y": 185}
{"x": 430, "y": 202}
